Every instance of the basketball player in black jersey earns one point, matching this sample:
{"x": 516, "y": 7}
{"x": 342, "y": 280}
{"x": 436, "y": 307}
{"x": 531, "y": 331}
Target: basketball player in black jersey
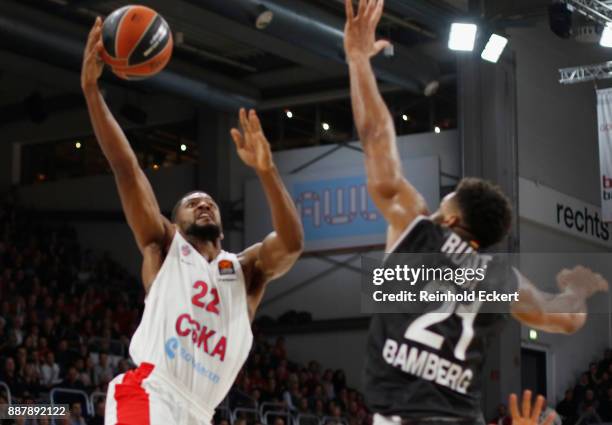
{"x": 425, "y": 368}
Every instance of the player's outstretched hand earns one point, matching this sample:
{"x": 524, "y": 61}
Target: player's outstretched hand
{"x": 528, "y": 415}
{"x": 92, "y": 64}
{"x": 581, "y": 281}
{"x": 251, "y": 143}
{"x": 360, "y": 30}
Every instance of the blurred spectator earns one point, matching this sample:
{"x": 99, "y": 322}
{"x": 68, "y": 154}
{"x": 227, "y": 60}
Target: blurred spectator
{"x": 64, "y": 356}
{"x": 502, "y": 418}
{"x": 72, "y": 381}
{"x": 589, "y": 401}
{"x": 98, "y": 418}
{"x": 50, "y": 371}
{"x": 328, "y": 384}
{"x": 76, "y": 415}
{"x": 605, "y": 407}
{"x": 103, "y": 371}
{"x": 581, "y": 387}
{"x": 11, "y": 378}
{"x": 593, "y": 375}
{"x": 568, "y": 408}
{"x": 292, "y": 396}
{"x": 339, "y": 380}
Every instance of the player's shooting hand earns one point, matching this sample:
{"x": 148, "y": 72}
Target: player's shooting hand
{"x": 581, "y": 281}
{"x": 251, "y": 143}
{"x": 529, "y": 415}
{"x": 360, "y": 30}
{"x": 92, "y": 64}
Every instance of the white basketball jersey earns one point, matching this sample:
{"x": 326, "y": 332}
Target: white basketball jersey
{"x": 195, "y": 328}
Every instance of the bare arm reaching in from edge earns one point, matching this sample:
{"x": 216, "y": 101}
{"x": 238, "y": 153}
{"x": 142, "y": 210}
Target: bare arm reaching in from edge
{"x": 276, "y": 254}
{"x": 399, "y": 202}
{"x": 565, "y": 312}
{"x": 152, "y": 230}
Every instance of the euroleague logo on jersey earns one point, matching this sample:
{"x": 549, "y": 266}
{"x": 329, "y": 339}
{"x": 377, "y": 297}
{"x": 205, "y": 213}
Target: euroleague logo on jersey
{"x": 226, "y": 267}
{"x": 185, "y": 250}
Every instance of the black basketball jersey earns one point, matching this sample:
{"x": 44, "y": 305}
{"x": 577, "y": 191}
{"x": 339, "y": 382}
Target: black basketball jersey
{"x": 429, "y": 365}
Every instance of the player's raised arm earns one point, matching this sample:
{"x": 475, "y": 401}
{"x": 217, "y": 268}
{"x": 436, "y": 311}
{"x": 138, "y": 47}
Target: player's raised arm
{"x": 565, "y": 312}
{"x": 280, "y": 249}
{"x": 149, "y": 226}
{"x": 396, "y": 198}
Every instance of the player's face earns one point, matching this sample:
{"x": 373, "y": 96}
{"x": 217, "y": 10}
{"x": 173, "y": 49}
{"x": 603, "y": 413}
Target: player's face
{"x": 448, "y": 213}
{"x": 198, "y": 209}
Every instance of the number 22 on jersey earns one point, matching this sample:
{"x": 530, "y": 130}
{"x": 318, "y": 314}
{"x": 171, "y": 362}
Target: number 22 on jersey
{"x": 211, "y": 303}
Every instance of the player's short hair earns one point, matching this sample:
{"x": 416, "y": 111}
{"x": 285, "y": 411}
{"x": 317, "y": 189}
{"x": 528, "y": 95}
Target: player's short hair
{"x": 485, "y": 209}
{"x": 179, "y": 202}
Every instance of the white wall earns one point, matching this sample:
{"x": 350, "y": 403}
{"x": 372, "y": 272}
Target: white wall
{"x": 557, "y": 135}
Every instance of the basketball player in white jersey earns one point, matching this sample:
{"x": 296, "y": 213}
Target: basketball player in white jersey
{"x": 195, "y": 332}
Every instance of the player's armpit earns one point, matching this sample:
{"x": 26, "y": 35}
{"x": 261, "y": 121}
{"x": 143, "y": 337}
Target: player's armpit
{"x": 274, "y": 259}
{"x": 266, "y": 261}
{"x": 400, "y": 205}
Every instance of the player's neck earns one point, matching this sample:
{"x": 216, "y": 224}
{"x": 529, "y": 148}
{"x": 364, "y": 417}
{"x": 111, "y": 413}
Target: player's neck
{"x": 464, "y": 234}
{"x": 208, "y": 249}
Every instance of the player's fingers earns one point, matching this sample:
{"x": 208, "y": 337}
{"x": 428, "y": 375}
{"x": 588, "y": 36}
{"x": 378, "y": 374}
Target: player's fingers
{"x": 378, "y": 12}
{"x": 362, "y": 7}
{"x": 93, "y": 33}
{"x": 380, "y": 45}
{"x": 237, "y": 138}
{"x": 602, "y": 283}
{"x": 513, "y": 402}
{"x": 242, "y": 118}
{"x": 549, "y": 419}
{"x": 348, "y": 7}
{"x": 370, "y": 8}
{"x": 526, "y": 405}
{"x": 254, "y": 120}
{"x": 537, "y": 408}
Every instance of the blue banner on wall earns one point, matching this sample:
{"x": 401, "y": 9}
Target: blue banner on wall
{"x": 335, "y": 207}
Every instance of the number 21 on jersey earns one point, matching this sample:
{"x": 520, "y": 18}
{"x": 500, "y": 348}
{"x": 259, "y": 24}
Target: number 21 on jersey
{"x": 418, "y": 330}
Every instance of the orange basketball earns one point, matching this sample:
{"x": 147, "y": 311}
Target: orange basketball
{"x": 137, "y": 42}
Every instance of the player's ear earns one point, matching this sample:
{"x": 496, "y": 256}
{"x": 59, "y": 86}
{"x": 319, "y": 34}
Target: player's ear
{"x": 452, "y": 220}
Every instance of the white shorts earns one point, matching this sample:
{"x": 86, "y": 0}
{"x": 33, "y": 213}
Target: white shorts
{"x": 142, "y": 397}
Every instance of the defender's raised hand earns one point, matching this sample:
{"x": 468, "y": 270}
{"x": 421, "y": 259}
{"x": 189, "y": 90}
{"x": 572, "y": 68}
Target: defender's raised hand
{"x": 251, "y": 143}
{"x": 581, "y": 281}
{"x": 529, "y": 415}
{"x": 360, "y": 30}
{"x": 92, "y": 64}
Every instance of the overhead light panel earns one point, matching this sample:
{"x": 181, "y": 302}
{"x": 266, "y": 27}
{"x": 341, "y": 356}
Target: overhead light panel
{"x": 494, "y": 48}
{"x": 462, "y": 37}
{"x": 606, "y": 36}
{"x": 264, "y": 17}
